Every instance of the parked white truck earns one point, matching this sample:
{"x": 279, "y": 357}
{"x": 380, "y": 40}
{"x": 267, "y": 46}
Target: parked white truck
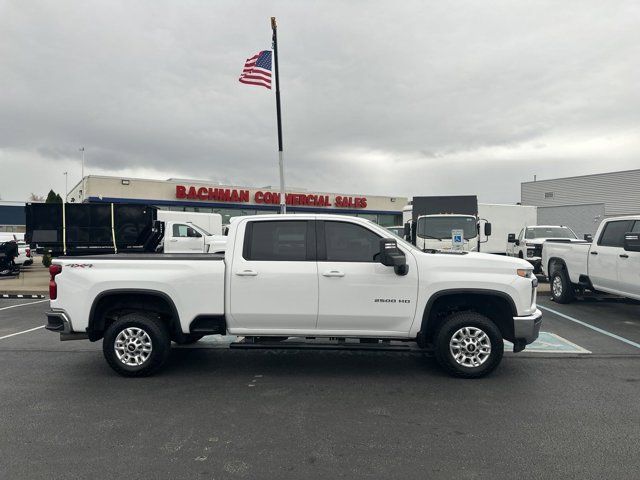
{"x": 611, "y": 263}
{"x": 528, "y": 244}
{"x": 313, "y": 277}
{"x": 192, "y": 232}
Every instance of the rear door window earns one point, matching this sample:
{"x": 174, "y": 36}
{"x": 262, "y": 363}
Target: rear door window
{"x": 279, "y": 241}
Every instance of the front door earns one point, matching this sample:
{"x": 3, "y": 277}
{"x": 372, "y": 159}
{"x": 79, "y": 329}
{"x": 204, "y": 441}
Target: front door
{"x": 604, "y": 256}
{"x": 274, "y": 278}
{"x": 184, "y": 239}
{"x": 357, "y": 294}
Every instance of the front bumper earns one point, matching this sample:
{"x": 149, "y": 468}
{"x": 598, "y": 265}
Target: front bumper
{"x": 527, "y": 328}
{"x": 58, "y": 321}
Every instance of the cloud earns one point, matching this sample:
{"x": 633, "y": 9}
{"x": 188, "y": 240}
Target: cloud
{"x": 418, "y": 99}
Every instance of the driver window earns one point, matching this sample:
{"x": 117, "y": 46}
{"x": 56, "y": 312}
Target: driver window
{"x": 520, "y": 235}
{"x": 184, "y": 231}
{"x": 348, "y": 242}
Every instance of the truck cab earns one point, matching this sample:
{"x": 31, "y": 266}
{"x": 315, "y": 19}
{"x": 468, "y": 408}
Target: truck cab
{"x": 187, "y": 237}
{"x": 434, "y": 232}
{"x": 529, "y": 242}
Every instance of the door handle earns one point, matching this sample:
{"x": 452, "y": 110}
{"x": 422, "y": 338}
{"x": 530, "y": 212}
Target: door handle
{"x": 247, "y": 273}
{"x": 624, "y": 255}
{"x": 172, "y": 240}
{"x": 333, "y": 273}
{"x": 593, "y": 253}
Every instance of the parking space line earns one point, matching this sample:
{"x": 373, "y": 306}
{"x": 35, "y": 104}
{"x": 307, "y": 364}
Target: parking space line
{"x": 23, "y": 304}
{"x": 584, "y": 324}
{"x": 20, "y": 333}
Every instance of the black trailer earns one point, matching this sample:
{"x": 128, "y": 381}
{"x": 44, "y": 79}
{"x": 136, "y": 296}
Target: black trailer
{"x": 92, "y": 228}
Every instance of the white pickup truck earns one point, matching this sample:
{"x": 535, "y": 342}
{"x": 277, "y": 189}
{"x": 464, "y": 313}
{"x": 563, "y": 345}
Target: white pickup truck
{"x": 342, "y": 279}
{"x": 610, "y": 264}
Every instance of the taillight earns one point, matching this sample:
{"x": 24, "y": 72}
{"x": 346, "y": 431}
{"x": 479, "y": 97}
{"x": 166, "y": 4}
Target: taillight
{"x": 53, "y": 288}
{"x": 28, "y": 252}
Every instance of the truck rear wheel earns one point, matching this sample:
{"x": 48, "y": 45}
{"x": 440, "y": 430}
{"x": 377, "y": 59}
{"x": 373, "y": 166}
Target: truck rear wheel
{"x": 561, "y": 287}
{"x": 136, "y": 345}
{"x": 468, "y": 345}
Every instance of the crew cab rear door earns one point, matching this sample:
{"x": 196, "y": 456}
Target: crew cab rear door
{"x": 357, "y": 294}
{"x": 274, "y": 277}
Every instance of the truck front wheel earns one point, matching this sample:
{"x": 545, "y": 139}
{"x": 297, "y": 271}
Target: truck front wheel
{"x": 136, "y": 345}
{"x": 561, "y": 287}
{"x": 468, "y": 345}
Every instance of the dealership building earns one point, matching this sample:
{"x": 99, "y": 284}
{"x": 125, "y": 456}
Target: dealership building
{"x": 582, "y": 202}
{"x": 233, "y": 200}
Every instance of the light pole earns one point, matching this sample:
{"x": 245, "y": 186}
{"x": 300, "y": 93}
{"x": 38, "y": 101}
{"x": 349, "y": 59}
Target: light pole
{"x": 83, "y": 183}
{"x": 66, "y": 187}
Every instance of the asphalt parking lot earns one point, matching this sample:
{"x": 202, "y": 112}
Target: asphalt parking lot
{"x": 567, "y": 409}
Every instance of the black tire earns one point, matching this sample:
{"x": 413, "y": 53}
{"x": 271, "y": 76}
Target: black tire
{"x": 452, "y": 326}
{"x": 158, "y": 338}
{"x": 188, "y": 339}
{"x": 561, "y": 288}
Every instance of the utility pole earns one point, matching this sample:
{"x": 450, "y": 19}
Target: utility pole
{"x": 83, "y": 182}
{"x": 66, "y": 187}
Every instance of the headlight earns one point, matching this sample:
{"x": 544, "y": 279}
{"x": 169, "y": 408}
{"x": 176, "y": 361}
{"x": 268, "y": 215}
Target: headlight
{"x": 524, "y": 272}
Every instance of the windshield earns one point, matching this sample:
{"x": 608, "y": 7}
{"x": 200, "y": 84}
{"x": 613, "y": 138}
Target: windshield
{"x": 549, "y": 232}
{"x": 398, "y": 231}
{"x": 441, "y": 227}
{"x": 200, "y": 229}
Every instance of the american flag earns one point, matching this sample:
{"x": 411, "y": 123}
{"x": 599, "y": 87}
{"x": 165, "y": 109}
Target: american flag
{"x": 257, "y": 70}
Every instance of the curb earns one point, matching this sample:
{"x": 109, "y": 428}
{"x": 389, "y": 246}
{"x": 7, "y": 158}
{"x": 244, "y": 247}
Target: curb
{"x": 21, "y": 295}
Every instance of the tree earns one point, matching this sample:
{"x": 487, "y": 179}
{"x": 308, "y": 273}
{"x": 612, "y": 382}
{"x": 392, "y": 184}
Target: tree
{"x": 53, "y": 197}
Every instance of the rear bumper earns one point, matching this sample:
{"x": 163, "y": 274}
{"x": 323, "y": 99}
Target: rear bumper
{"x": 58, "y": 321}
{"x": 526, "y": 329}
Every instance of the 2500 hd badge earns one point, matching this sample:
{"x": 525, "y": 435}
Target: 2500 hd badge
{"x": 391, "y": 300}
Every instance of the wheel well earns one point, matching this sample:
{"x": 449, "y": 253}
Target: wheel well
{"x": 110, "y": 306}
{"x": 554, "y": 265}
{"x": 495, "y": 307}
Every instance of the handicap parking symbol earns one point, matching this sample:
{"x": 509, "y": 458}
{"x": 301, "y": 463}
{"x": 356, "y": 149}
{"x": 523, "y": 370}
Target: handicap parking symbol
{"x": 549, "y": 342}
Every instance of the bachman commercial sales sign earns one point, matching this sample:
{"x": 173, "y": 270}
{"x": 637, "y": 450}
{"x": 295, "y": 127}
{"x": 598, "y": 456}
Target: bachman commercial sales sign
{"x": 233, "y": 195}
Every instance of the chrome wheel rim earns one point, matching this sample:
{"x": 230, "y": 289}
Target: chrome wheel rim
{"x": 470, "y": 347}
{"x": 133, "y": 346}
{"x": 557, "y": 286}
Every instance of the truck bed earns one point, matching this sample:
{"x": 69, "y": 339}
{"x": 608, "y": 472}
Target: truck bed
{"x": 193, "y": 282}
{"x": 152, "y": 256}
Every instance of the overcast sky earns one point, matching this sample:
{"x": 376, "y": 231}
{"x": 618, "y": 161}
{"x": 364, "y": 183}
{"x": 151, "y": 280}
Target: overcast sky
{"x": 390, "y": 98}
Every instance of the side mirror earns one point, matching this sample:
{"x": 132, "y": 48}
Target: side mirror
{"x": 407, "y": 231}
{"x": 632, "y": 242}
{"x": 511, "y": 238}
{"x": 392, "y": 256}
{"x": 487, "y": 229}
{"x": 588, "y": 237}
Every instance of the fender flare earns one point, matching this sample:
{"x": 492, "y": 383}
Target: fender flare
{"x": 457, "y": 291}
{"x": 128, "y": 291}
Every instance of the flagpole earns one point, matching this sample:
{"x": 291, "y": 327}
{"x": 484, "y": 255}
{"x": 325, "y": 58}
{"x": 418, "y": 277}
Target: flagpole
{"x": 283, "y": 202}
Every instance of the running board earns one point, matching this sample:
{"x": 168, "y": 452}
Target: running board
{"x": 297, "y": 344}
